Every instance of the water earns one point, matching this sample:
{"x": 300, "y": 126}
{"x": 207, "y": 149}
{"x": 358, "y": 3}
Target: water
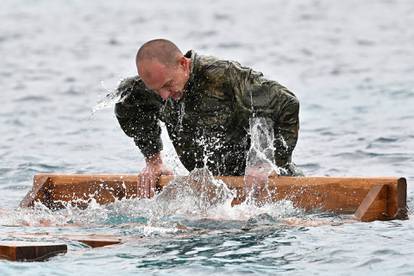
{"x": 108, "y": 101}
{"x": 349, "y": 63}
{"x": 260, "y": 161}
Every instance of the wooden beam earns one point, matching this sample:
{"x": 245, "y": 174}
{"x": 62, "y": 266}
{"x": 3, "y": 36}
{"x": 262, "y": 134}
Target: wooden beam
{"x": 397, "y": 200}
{"x": 374, "y": 205}
{"x": 94, "y": 240}
{"x": 39, "y": 191}
{"x": 30, "y": 251}
{"x": 341, "y": 195}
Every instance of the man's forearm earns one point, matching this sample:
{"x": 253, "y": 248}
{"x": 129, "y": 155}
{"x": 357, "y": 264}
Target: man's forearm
{"x": 154, "y": 160}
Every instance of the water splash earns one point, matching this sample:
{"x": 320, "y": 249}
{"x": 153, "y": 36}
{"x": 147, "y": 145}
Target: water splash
{"x": 181, "y": 112}
{"x": 110, "y": 99}
{"x": 193, "y": 195}
{"x": 261, "y": 152}
{"x": 260, "y": 163}
{"x": 186, "y": 200}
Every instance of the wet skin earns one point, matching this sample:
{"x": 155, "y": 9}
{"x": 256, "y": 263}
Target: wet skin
{"x": 168, "y": 81}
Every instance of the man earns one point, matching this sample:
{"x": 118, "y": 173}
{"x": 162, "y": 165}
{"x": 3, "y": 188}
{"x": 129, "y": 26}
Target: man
{"x": 206, "y": 104}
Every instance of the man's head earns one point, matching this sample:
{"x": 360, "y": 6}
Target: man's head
{"x": 163, "y": 68}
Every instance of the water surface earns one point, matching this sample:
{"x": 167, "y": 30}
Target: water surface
{"x": 350, "y": 64}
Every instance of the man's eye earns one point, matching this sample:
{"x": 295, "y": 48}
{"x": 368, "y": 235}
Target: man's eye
{"x": 167, "y": 85}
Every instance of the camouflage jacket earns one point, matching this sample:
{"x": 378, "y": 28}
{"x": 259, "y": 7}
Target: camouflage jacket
{"x": 209, "y": 125}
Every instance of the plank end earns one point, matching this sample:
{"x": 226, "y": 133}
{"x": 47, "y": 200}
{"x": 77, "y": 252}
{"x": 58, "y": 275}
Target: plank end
{"x": 374, "y": 205}
{"x": 30, "y": 251}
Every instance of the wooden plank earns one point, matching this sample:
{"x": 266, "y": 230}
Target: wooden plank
{"x": 39, "y": 191}
{"x": 341, "y": 195}
{"x": 92, "y": 240}
{"x": 30, "y": 251}
{"x": 49, "y": 189}
{"x": 95, "y": 240}
{"x": 397, "y": 200}
{"x": 374, "y": 205}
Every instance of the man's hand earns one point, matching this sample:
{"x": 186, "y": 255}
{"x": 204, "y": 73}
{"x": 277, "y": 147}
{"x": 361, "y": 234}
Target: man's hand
{"x": 255, "y": 181}
{"x": 148, "y": 178}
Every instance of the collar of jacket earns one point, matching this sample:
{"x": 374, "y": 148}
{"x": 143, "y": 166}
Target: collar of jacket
{"x": 189, "y": 85}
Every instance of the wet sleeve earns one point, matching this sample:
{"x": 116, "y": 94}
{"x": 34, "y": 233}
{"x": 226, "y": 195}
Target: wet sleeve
{"x": 259, "y": 97}
{"x": 286, "y": 130}
{"x": 138, "y": 118}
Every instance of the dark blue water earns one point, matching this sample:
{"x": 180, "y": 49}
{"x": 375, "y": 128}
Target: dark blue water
{"x": 351, "y": 64}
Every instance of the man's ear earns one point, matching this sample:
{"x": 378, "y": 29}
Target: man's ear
{"x": 183, "y": 62}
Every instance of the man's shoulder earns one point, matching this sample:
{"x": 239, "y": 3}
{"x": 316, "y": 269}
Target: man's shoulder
{"x": 203, "y": 61}
{"x": 132, "y": 92}
{"x": 213, "y": 67}
{"x": 130, "y": 84}
{"x": 134, "y": 87}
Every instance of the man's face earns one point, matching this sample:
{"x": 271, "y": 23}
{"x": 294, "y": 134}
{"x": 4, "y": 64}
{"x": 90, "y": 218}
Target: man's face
{"x": 168, "y": 81}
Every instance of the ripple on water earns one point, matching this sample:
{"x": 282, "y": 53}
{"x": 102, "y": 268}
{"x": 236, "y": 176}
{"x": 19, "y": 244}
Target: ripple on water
{"x": 72, "y": 91}
{"x": 360, "y": 154}
{"x": 38, "y": 167}
{"x": 232, "y": 45}
{"x": 384, "y": 252}
{"x": 34, "y": 99}
{"x": 370, "y": 262}
{"x": 385, "y": 143}
{"x": 386, "y": 139}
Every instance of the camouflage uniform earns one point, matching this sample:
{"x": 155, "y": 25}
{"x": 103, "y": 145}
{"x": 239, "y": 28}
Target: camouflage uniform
{"x": 210, "y": 123}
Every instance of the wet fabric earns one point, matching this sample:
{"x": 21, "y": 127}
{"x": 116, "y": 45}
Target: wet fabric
{"x": 209, "y": 124}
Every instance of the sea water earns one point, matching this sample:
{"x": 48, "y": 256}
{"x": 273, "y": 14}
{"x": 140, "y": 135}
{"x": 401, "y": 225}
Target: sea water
{"x": 349, "y": 63}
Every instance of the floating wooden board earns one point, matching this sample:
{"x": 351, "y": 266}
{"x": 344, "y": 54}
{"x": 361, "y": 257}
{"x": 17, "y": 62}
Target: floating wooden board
{"x": 92, "y": 240}
{"x": 30, "y": 251}
{"x": 342, "y": 195}
{"x": 375, "y": 200}
{"x": 95, "y": 240}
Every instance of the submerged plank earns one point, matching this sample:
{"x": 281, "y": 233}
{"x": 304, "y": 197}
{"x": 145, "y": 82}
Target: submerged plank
{"x": 30, "y": 251}
{"x": 342, "y": 195}
{"x": 95, "y": 240}
{"x": 92, "y": 240}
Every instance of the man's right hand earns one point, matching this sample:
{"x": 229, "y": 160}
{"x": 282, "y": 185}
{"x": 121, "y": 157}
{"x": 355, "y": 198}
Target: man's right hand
{"x": 149, "y": 177}
{"x": 255, "y": 183}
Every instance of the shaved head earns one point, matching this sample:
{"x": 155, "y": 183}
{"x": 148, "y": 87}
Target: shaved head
{"x": 161, "y": 50}
{"x": 163, "y": 68}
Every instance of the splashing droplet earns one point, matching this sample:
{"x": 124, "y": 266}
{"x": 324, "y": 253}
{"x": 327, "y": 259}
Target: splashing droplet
{"x": 110, "y": 99}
